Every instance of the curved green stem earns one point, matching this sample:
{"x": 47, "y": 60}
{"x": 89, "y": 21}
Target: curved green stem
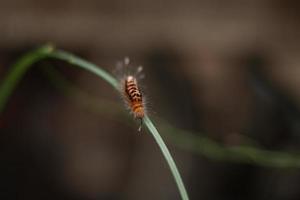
{"x": 20, "y": 68}
{"x": 17, "y": 71}
{"x": 70, "y": 58}
{"x": 167, "y": 156}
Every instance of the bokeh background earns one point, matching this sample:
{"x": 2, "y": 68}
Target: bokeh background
{"x": 226, "y": 70}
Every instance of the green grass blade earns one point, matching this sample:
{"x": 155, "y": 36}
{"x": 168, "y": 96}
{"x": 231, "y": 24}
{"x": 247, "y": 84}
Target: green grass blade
{"x": 106, "y": 76}
{"x": 19, "y": 69}
{"x": 168, "y": 157}
{"x": 79, "y": 62}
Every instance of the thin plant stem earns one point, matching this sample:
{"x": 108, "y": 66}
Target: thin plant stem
{"x": 79, "y": 62}
{"x": 21, "y": 67}
{"x": 18, "y": 70}
{"x": 167, "y": 156}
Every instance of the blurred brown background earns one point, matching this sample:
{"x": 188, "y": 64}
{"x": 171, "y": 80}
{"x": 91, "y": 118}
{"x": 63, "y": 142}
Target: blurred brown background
{"x": 227, "y": 69}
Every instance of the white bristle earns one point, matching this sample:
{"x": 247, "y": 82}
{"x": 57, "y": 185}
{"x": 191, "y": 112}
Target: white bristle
{"x": 126, "y": 60}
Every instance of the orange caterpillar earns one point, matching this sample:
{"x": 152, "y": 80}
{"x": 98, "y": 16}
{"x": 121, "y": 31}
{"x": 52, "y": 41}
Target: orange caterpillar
{"x": 133, "y": 95}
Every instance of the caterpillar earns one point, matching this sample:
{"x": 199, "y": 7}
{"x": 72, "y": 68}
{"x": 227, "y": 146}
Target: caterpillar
{"x": 133, "y": 95}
